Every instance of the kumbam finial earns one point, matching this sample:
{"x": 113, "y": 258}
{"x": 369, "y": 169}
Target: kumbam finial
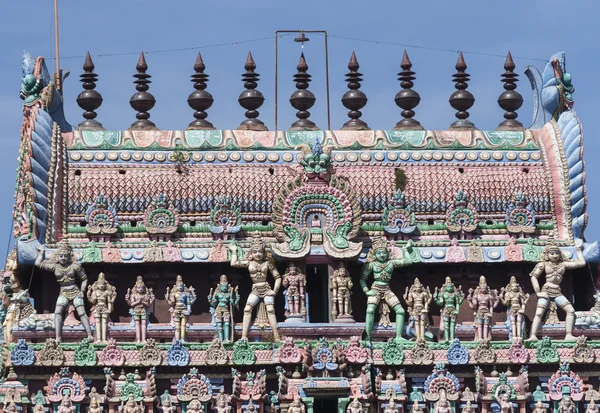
{"x": 142, "y": 101}
{"x": 251, "y": 99}
{"x": 462, "y": 99}
{"x": 302, "y": 99}
{"x": 89, "y": 100}
{"x": 407, "y": 99}
{"x": 200, "y": 100}
{"x": 354, "y": 99}
{"x": 510, "y": 100}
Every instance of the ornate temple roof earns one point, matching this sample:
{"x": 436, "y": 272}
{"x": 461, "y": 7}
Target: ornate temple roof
{"x": 455, "y": 195}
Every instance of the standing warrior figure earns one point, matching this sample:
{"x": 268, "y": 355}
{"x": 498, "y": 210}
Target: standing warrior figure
{"x": 140, "y": 299}
{"x": 180, "y": 298}
{"x": 418, "y": 299}
{"x": 294, "y": 283}
{"x": 483, "y": 301}
{"x": 259, "y": 263}
{"x": 514, "y": 299}
{"x": 223, "y": 299}
{"x": 382, "y": 267}
{"x": 341, "y": 291}
{"x": 102, "y": 296}
{"x": 449, "y": 298}
{"x": 554, "y": 265}
{"x": 65, "y": 267}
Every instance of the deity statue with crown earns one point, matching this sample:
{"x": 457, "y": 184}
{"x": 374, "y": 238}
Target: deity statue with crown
{"x": 102, "y": 296}
{"x": 449, "y": 298}
{"x": 554, "y": 265}
{"x": 418, "y": 299}
{"x": 67, "y": 271}
{"x": 139, "y": 299}
{"x": 260, "y": 263}
{"x": 483, "y": 300}
{"x": 223, "y": 299}
{"x": 514, "y": 299}
{"x": 381, "y": 267}
{"x": 181, "y": 299}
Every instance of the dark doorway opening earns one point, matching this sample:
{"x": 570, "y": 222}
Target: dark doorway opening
{"x": 323, "y": 405}
{"x": 317, "y": 287}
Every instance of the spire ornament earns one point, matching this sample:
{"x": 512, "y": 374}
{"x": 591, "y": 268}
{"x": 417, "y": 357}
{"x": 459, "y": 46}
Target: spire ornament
{"x": 407, "y": 99}
{"x": 200, "y": 100}
{"x": 89, "y": 99}
{"x": 251, "y": 99}
{"x": 462, "y": 99}
{"x": 142, "y": 101}
{"x": 510, "y": 100}
{"x": 302, "y": 99}
{"x": 354, "y": 99}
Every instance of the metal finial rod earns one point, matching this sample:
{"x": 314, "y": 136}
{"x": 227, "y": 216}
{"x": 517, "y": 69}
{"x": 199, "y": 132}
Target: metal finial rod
{"x": 200, "y": 100}
{"x": 354, "y": 99}
{"x": 461, "y": 100}
{"x": 510, "y": 100}
{"x": 251, "y": 99}
{"x": 89, "y": 99}
{"x": 142, "y": 101}
{"x": 407, "y": 99}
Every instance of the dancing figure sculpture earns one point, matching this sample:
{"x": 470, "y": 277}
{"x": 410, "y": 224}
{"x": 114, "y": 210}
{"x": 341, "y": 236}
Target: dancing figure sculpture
{"x": 67, "y": 270}
{"x": 259, "y": 263}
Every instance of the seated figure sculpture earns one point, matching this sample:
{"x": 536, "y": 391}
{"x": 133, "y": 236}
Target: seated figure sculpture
{"x": 67, "y": 270}
{"x": 554, "y": 266}
{"x": 381, "y": 266}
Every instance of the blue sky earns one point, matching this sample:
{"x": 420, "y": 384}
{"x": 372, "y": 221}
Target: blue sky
{"x": 530, "y": 29}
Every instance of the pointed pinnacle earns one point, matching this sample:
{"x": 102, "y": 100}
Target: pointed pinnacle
{"x": 88, "y": 65}
{"x": 461, "y": 66}
{"x": 250, "y": 65}
{"x": 141, "y": 64}
{"x": 509, "y": 65}
{"x": 406, "y": 64}
{"x": 302, "y": 65}
{"x": 199, "y": 65}
{"x": 353, "y": 64}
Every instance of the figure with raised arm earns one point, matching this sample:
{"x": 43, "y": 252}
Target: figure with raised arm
{"x": 259, "y": 263}
{"x": 381, "y": 267}
{"x": 181, "y": 299}
{"x": 67, "y": 271}
{"x": 140, "y": 299}
{"x": 554, "y": 266}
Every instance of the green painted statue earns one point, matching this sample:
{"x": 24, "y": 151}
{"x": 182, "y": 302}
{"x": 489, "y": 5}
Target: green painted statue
{"x": 449, "y": 298}
{"x": 223, "y": 299}
{"x": 382, "y": 268}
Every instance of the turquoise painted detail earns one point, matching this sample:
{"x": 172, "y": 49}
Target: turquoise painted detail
{"x": 196, "y": 138}
{"x": 413, "y": 138}
{"x": 296, "y": 138}
{"x": 97, "y": 138}
{"x": 501, "y": 137}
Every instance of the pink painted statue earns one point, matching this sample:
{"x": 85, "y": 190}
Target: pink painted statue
{"x": 483, "y": 301}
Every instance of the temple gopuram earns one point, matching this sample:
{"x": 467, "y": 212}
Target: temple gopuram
{"x": 302, "y": 270}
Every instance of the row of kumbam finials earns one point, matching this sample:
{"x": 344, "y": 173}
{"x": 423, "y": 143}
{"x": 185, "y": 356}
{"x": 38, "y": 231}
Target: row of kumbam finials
{"x": 258, "y": 260}
{"x": 302, "y": 99}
